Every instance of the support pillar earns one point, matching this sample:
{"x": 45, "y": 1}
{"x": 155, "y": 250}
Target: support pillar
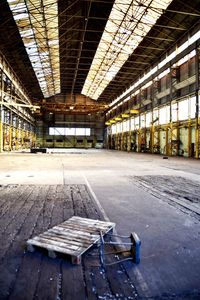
{"x": 189, "y": 138}
{"x": 1, "y": 112}
{"x": 197, "y": 133}
{"x": 167, "y": 144}
{"x": 1, "y": 128}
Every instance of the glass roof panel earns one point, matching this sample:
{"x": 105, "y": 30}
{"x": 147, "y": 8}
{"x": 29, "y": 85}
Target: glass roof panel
{"x": 128, "y": 23}
{"x": 37, "y": 21}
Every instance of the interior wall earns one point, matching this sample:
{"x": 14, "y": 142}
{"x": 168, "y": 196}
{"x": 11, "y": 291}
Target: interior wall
{"x": 17, "y": 128}
{"x": 94, "y": 122}
{"x": 166, "y": 110}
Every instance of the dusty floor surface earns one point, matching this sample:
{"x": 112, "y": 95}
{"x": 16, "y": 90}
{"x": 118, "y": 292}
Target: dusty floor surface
{"x": 155, "y": 197}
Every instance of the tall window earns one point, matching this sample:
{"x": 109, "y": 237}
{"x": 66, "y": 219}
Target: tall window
{"x": 183, "y": 112}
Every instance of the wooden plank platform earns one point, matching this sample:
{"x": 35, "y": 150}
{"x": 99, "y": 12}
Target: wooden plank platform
{"x": 72, "y": 237}
{"x": 28, "y": 210}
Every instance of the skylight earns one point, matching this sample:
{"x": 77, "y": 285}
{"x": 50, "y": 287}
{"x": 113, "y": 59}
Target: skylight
{"x": 37, "y": 21}
{"x": 128, "y": 23}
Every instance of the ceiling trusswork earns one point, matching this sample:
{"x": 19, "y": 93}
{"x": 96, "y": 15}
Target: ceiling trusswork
{"x": 12, "y": 47}
{"x": 52, "y": 45}
{"x": 86, "y": 108}
{"x": 81, "y": 24}
{"x": 128, "y": 23}
{"x": 175, "y": 22}
{"x": 37, "y": 21}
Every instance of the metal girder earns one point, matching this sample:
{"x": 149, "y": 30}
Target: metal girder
{"x": 37, "y": 21}
{"x": 71, "y": 108}
{"x": 99, "y": 31}
{"x": 174, "y": 31}
{"x": 104, "y": 19}
{"x": 19, "y": 104}
{"x": 73, "y": 34}
{"x": 125, "y": 34}
{"x": 182, "y": 12}
{"x": 80, "y": 31}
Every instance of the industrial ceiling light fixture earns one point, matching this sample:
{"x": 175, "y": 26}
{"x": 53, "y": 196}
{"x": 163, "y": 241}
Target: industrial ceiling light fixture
{"x": 37, "y": 22}
{"x": 128, "y": 23}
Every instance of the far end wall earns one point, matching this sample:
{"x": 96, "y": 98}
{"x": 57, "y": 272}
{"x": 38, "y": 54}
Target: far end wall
{"x": 62, "y": 124}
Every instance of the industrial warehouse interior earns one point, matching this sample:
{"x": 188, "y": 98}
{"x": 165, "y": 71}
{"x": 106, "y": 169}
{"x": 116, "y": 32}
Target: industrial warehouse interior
{"x": 99, "y": 149}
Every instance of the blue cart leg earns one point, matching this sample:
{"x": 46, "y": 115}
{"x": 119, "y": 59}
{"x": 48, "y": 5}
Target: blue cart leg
{"x": 135, "y": 248}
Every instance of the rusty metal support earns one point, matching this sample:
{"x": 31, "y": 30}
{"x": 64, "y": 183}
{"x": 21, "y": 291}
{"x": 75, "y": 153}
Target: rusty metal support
{"x": 197, "y": 70}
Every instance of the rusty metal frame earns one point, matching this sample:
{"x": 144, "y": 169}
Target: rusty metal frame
{"x": 37, "y": 22}
{"x": 119, "y": 45}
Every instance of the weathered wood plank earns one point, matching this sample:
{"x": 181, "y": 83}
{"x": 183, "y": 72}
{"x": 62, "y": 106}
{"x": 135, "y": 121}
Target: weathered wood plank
{"x": 77, "y": 230}
{"x": 16, "y": 222}
{"x": 68, "y": 210}
{"x": 86, "y": 228}
{"x": 8, "y": 195}
{"x": 48, "y": 286}
{"x": 91, "y": 210}
{"x": 73, "y": 234}
{"x": 31, "y": 264}
{"x": 89, "y": 279}
{"x": 65, "y": 238}
{"x": 14, "y": 204}
{"x": 54, "y": 245}
{"x": 90, "y": 221}
{"x": 36, "y": 276}
{"x": 10, "y": 266}
{"x": 184, "y": 194}
{"x": 102, "y": 283}
{"x": 119, "y": 281}
{"x": 79, "y": 208}
{"x": 48, "y": 283}
{"x": 73, "y": 282}
{"x": 57, "y": 212}
{"x": 44, "y": 221}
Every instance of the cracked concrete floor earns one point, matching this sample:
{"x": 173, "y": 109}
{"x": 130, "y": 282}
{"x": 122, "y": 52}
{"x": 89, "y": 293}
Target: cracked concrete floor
{"x": 170, "y": 260}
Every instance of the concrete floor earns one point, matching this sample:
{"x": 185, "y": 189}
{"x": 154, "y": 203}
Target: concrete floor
{"x": 170, "y": 252}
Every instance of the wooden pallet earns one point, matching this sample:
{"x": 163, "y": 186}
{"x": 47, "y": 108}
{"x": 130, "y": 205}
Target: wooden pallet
{"x": 72, "y": 237}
